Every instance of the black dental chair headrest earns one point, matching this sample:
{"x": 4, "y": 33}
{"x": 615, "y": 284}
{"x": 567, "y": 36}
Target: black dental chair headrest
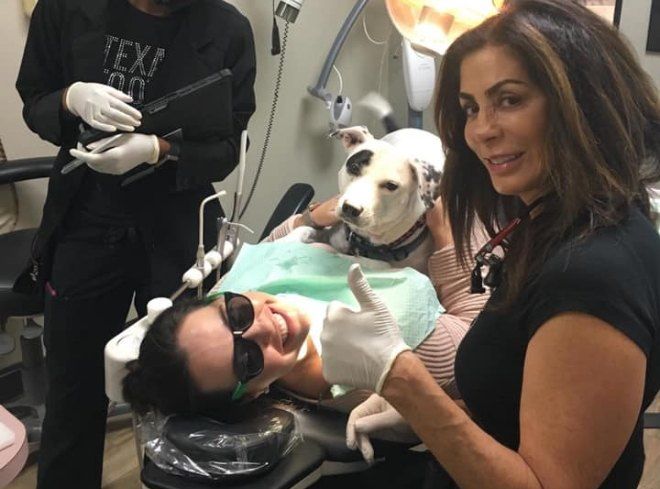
{"x": 232, "y": 451}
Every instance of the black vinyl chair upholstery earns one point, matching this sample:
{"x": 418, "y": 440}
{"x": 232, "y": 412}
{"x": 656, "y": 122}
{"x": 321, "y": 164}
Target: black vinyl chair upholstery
{"x": 294, "y": 201}
{"x": 26, "y": 169}
{"x": 15, "y": 246}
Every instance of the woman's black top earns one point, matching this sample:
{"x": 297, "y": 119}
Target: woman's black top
{"x": 614, "y": 275}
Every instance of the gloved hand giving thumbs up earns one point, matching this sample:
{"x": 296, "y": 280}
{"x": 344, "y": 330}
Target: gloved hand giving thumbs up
{"x": 359, "y": 347}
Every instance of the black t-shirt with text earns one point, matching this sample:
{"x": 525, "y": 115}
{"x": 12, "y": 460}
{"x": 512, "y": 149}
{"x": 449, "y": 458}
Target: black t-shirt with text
{"x": 614, "y": 275}
{"x": 136, "y": 46}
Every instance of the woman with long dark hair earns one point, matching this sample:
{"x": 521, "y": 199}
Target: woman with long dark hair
{"x": 552, "y": 134}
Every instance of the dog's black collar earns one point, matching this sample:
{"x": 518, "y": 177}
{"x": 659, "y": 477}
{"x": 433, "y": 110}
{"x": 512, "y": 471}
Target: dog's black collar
{"x": 360, "y": 246}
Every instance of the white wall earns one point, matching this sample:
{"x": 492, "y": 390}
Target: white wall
{"x": 634, "y": 24}
{"x": 17, "y": 139}
{"x": 299, "y": 149}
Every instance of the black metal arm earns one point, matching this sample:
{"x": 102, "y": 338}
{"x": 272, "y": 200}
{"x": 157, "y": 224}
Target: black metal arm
{"x": 26, "y": 169}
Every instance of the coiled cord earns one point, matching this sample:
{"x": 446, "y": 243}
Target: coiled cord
{"x": 271, "y": 119}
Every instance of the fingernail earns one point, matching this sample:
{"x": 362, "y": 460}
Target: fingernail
{"x": 51, "y": 290}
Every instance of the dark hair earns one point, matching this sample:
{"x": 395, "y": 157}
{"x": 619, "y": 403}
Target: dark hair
{"x": 159, "y": 379}
{"x": 603, "y": 139}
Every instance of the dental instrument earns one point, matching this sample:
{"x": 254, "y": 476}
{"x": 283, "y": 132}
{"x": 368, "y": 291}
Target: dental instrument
{"x": 73, "y": 164}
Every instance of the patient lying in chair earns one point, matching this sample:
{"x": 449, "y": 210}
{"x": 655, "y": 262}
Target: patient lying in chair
{"x": 262, "y": 325}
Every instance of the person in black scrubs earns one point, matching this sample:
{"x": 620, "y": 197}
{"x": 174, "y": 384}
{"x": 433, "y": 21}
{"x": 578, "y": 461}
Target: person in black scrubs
{"x": 552, "y": 132}
{"x": 101, "y": 245}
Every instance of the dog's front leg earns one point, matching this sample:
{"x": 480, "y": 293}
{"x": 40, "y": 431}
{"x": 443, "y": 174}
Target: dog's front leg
{"x": 302, "y": 234}
{"x": 338, "y": 240}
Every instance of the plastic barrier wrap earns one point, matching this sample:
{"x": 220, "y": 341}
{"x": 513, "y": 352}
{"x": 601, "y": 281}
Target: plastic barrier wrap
{"x": 195, "y": 446}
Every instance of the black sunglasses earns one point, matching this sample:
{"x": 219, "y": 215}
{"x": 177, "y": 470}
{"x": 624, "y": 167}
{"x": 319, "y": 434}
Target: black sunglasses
{"x": 248, "y": 361}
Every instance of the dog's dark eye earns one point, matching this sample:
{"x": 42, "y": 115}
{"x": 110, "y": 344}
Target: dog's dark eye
{"x": 391, "y": 186}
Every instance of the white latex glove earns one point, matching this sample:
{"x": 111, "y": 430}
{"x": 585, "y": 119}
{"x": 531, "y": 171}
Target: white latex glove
{"x": 359, "y": 347}
{"x": 125, "y": 153}
{"x": 102, "y": 107}
{"x": 376, "y": 417}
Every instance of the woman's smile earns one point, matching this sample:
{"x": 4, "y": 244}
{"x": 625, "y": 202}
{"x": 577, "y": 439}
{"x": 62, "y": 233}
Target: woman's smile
{"x": 503, "y": 163}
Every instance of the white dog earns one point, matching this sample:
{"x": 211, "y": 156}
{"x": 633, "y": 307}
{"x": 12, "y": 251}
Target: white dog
{"x": 386, "y": 186}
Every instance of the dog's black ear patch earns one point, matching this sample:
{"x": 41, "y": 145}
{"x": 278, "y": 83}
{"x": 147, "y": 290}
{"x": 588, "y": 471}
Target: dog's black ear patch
{"x": 357, "y": 161}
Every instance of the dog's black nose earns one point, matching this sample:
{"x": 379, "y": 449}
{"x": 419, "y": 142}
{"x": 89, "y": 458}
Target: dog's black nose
{"x": 349, "y": 211}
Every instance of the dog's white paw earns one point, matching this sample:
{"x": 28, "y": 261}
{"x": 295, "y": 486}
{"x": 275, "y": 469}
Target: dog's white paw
{"x": 338, "y": 241}
{"x": 302, "y": 234}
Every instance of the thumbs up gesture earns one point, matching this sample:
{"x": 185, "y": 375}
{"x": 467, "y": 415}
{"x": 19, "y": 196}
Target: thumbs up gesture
{"x": 359, "y": 347}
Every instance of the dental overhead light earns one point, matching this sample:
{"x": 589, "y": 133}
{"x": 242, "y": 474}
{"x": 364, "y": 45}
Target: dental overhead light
{"x": 432, "y": 25}
{"x": 428, "y": 28}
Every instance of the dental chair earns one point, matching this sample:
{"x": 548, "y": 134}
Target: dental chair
{"x": 22, "y": 385}
{"x": 322, "y": 451}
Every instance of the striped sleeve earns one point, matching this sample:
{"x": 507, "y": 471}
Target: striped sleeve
{"x": 281, "y": 230}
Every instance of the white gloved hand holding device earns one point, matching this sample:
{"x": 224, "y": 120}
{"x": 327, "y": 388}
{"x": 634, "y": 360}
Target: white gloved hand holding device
{"x": 125, "y": 153}
{"x": 359, "y": 347}
{"x": 102, "y": 107}
{"x": 376, "y": 417}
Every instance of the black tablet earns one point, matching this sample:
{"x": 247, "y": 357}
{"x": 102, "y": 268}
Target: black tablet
{"x": 201, "y": 109}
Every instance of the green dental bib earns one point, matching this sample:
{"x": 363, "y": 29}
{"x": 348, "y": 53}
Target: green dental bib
{"x": 306, "y": 270}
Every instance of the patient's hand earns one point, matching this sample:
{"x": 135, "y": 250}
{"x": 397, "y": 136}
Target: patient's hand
{"x": 324, "y": 214}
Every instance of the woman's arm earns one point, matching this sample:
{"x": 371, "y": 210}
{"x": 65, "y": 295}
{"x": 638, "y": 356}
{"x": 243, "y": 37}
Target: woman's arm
{"x": 582, "y": 390}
